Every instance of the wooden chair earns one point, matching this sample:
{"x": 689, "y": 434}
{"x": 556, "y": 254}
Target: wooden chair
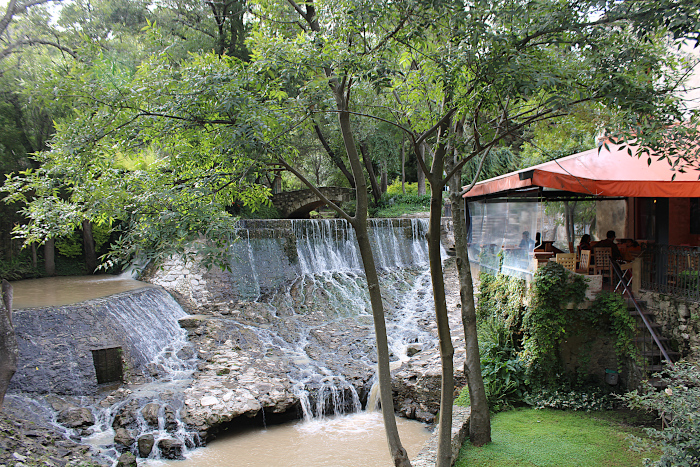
{"x": 584, "y": 262}
{"x": 568, "y": 260}
{"x": 602, "y": 261}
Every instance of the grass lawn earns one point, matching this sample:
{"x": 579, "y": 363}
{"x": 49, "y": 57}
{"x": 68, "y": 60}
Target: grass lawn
{"x": 528, "y": 437}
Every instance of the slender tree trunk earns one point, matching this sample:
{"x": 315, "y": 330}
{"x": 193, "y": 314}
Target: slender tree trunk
{"x": 403, "y": 166}
{"x": 89, "y": 247}
{"x": 398, "y": 453}
{"x": 444, "y": 451}
{"x": 376, "y": 190}
{"x": 480, "y": 420}
{"x": 420, "y": 174}
{"x": 8, "y": 341}
{"x": 359, "y": 223}
{"x": 34, "y": 256}
{"x": 384, "y": 179}
{"x": 49, "y": 257}
{"x": 567, "y": 221}
{"x": 334, "y": 157}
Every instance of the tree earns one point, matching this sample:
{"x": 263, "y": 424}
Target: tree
{"x": 163, "y": 147}
{"x": 161, "y": 171}
{"x": 13, "y": 41}
{"x": 8, "y": 340}
{"x": 500, "y": 67}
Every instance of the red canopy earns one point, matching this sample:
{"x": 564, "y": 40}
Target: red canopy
{"x": 609, "y": 172}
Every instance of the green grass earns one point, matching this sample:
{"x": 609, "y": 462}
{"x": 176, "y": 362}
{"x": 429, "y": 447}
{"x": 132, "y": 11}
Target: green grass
{"x": 528, "y": 437}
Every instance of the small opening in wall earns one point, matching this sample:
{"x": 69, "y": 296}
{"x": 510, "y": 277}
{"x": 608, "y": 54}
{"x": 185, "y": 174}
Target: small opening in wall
{"x": 108, "y": 364}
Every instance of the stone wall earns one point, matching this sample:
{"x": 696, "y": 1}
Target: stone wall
{"x": 680, "y": 321}
{"x": 56, "y": 344}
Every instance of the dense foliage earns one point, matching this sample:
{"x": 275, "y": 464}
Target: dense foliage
{"x": 678, "y": 405}
{"x": 521, "y": 333}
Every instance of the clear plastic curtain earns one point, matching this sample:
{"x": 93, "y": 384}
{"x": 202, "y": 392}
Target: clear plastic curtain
{"x": 502, "y": 235}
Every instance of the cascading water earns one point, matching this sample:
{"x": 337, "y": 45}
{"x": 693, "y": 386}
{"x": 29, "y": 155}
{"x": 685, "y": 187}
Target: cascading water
{"x": 330, "y": 289}
{"x": 301, "y": 309}
{"x": 57, "y": 343}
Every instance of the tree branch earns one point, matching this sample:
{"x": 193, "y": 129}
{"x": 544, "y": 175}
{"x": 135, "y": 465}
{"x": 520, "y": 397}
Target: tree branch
{"x": 313, "y": 188}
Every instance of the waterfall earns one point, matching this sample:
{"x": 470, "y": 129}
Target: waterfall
{"x": 324, "y": 276}
{"x": 300, "y": 300}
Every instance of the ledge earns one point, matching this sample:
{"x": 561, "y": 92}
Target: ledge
{"x": 460, "y": 431}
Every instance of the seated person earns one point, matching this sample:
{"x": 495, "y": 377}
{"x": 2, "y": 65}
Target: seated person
{"x": 584, "y": 244}
{"x": 609, "y": 242}
{"x": 526, "y": 243}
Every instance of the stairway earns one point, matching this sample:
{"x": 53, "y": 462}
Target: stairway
{"x": 651, "y": 359}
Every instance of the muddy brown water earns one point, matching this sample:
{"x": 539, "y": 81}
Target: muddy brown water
{"x": 67, "y": 290}
{"x": 355, "y": 440}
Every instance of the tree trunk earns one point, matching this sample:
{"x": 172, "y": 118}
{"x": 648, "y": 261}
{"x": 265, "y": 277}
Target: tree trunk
{"x": 34, "y": 257}
{"x": 89, "y": 247}
{"x": 480, "y": 420}
{"x": 8, "y": 341}
{"x": 420, "y": 175}
{"x": 376, "y": 190}
{"x": 359, "y": 223}
{"x": 444, "y": 450}
{"x": 334, "y": 157}
{"x": 403, "y": 166}
{"x": 398, "y": 453}
{"x": 49, "y": 257}
{"x": 384, "y": 179}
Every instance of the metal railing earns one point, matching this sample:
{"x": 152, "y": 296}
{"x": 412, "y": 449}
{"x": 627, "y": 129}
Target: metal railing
{"x": 626, "y": 290}
{"x": 672, "y": 270}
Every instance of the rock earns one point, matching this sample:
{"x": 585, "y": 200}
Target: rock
{"x": 423, "y": 416}
{"x": 76, "y": 417}
{"x": 413, "y": 349}
{"x": 208, "y": 400}
{"x": 150, "y": 413}
{"x": 123, "y": 436}
{"x": 125, "y": 416}
{"x": 127, "y": 460}
{"x": 191, "y": 322}
{"x": 171, "y": 448}
{"x": 170, "y": 419}
{"x": 145, "y": 444}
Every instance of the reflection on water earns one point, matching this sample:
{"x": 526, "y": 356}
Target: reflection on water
{"x": 355, "y": 440}
{"x": 66, "y": 290}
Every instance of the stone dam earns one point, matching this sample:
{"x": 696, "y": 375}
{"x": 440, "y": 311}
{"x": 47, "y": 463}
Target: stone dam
{"x": 284, "y": 332}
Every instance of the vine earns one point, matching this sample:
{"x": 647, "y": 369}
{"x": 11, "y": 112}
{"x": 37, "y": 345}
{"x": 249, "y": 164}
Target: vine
{"x": 622, "y": 325}
{"x": 555, "y": 296}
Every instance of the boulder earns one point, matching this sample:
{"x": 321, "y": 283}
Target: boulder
{"x": 76, "y": 417}
{"x": 145, "y": 444}
{"x": 150, "y": 413}
{"x": 125, "y": 417}
{"x": 413, "y": 349}
{"x": 170, "y": 419}
{"x": 127, "y": 460}
{"x": 123, "y": 437}
{"x": 171, "y": 448}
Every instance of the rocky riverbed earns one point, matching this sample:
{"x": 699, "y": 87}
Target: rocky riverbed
{"x": 271, "y": 360}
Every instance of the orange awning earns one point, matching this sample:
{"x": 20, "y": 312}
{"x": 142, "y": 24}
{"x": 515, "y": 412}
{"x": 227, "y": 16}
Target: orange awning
{"x": 609, "y": 172}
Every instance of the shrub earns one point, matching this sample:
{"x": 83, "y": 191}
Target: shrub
{"x": 679, "y": 408}
{"x": 501, "y": 368}
{"x": 411, "y": 188}
{"x": 18, "y": 268}
{"x": 569, "y": 399}
{"x": 502, "y": 296}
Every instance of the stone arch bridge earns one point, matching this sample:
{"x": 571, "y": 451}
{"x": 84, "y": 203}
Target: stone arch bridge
{"x": 299, "y": 203}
